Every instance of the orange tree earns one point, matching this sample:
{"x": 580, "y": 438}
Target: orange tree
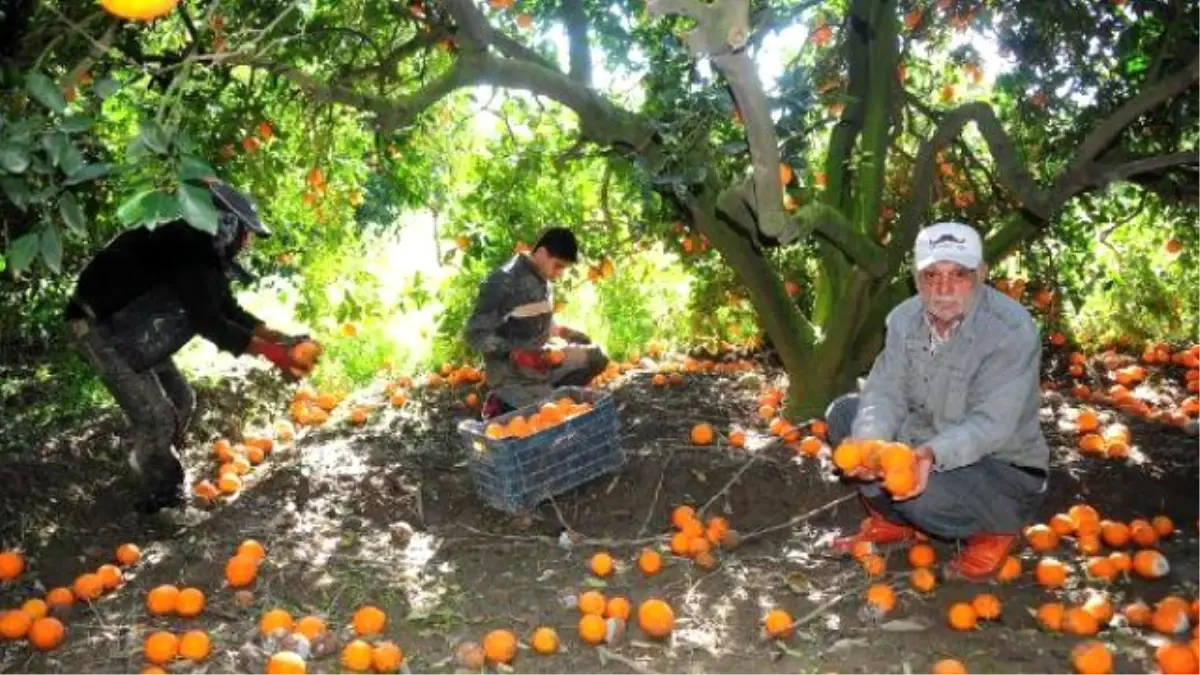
{"x": 880, "y": 121}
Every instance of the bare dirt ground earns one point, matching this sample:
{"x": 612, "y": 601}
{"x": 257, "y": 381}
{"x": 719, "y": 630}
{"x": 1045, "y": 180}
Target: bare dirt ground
{"x": 386, "y": 514}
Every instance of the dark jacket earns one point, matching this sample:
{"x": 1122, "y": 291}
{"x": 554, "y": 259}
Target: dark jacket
{"x": 514, "y": 310}
{"x": 156, "y": 289}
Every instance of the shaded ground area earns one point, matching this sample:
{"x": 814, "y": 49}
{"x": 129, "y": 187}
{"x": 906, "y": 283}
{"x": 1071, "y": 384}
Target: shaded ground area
{"x": 386, "y": 514}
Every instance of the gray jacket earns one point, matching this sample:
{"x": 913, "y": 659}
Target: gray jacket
{"x": 976, "y": 396}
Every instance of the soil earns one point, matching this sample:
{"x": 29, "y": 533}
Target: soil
{"x": 386, "y": 514}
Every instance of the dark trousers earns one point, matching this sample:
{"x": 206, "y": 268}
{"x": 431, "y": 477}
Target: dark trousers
{"x": 514, "y": 388}
{"x": 158, "y": 403}
{"x": 990, "y": 496}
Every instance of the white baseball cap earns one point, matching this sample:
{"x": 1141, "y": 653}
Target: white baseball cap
{"x": 949, "y": 242}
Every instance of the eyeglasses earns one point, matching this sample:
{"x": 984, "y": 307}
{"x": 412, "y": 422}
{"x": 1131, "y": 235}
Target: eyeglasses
{"x": 958, "y": 276}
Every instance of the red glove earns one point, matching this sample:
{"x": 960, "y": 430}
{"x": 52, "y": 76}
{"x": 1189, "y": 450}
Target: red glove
{"x": 529, "y": 359}
{"x": 276, "y": 354}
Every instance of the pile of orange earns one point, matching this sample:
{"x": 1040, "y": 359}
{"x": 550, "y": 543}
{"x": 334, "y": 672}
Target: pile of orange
{"x": 698, "y": 540}
{"x": 237, "y": 460}
{"x": 38, "y": 620}
{"x": 1113, "y": 441}
{"x": 311, "y": 408}
{"x": 364, "y": 650}
{"x": 551, "y": 414}
{"x": 1121, "y": 375}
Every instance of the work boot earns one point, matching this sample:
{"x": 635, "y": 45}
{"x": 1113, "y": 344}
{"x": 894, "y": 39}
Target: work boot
{"x": 876, "y": 529}
{"x": 161, "y": 485}
{"x": 983, "y": 556}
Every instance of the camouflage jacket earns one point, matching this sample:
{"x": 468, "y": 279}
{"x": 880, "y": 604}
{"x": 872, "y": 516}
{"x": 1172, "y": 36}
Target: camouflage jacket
{"x": 515, "y": 310}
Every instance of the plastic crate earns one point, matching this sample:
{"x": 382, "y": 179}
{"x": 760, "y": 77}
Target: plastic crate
{"x": 516, "y": 474}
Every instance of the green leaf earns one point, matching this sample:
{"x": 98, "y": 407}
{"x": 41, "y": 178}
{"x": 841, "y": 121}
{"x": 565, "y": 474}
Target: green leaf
{"x": 52, "y": 249}
{"x": 137, "y": 208}
{"x": 87, "y": 172}
{"x": 71, "y": 160}
{"x": 22, "y": 250}
{"x": 72, "y": 212}
{"x": 196, "y": 205}
{"x": 192, "y": 168}
{"x": 16, "y": 190}
{"x": 3, "y": 262}
{"x": 55, "y": 144}
{"x": 153, "y": 135}
{"x": 77, "y": 123}
{"x": 164, "y": 208}
{"x": 13, "y": 158}
{"x": 136, "y": 149}
{"x": 44, "y": 91}
{"x": 106, "y": 86}
{"x": 43, "y": 195}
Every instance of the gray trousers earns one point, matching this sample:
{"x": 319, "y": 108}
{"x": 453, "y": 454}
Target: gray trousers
{"x": 158, "y": 403}
{"x": 518, "y": 388}
{"x": 990, "y": 496}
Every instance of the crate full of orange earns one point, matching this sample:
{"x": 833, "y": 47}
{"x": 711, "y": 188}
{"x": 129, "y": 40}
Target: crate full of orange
{"x": 519, "y": 459}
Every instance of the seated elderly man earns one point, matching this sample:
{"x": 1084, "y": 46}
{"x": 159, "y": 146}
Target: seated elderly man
{"x": 958, "y": 381}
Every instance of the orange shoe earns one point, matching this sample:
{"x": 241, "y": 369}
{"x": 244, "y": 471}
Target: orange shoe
{"x": 876, "y": 529}
{"x": 983, "y": 556}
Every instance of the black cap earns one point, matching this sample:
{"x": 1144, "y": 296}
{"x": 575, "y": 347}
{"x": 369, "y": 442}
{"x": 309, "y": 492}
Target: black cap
{"x": 228, "y": 199}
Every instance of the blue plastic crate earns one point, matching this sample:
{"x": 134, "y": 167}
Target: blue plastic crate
{"x": 516, "y": 474}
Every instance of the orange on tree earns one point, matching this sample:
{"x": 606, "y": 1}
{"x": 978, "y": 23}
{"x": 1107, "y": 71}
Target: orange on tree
{"x": 139, "y": 10}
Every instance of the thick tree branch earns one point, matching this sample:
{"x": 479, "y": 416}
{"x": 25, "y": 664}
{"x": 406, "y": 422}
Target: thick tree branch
{"x": 390, "y": 112}
{"x": 872, "y": 158}
{"x": 1108, "y": 174}
{"x": 722, "y": 29}
{"x": 515, "y": 50}
{"x": 846, "y": 131}
{"x": 1107, "y": 131}
{"x": 1012, "y": 173}
{"x": 577, "y": 40}
{"x": 831, "y": 224}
